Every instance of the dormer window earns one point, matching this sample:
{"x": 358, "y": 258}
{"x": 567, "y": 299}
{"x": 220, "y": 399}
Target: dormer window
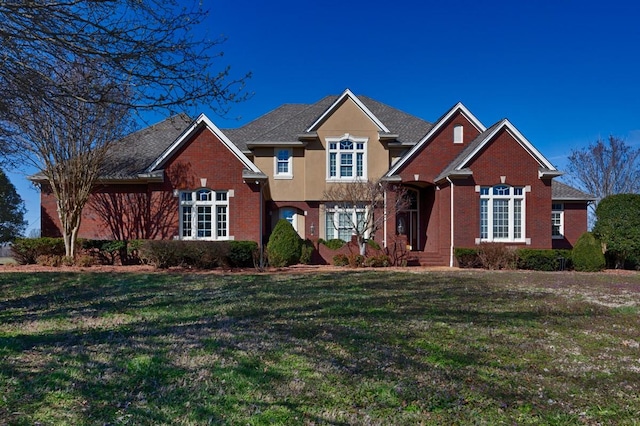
{"x": 458, "y": 133}
{"x": 346, "y": 158}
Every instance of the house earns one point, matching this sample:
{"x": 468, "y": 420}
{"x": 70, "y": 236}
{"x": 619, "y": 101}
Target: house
{"x": 467, "y": 183}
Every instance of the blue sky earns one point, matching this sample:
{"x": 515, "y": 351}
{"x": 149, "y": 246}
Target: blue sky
{"x": 563, "y": 72}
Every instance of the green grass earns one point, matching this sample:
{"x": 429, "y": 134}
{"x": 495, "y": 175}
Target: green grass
{"x": 343, "y": 348}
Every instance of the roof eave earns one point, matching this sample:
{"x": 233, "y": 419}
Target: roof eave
{"x": 548, "y": 174}
{"x": 263, "y": 144}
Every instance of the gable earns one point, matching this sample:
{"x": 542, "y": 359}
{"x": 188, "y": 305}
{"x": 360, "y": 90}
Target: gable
{"x": 202, "y": 122}
{"x": 441, "y": 135}
{"x": 347, "y": 95}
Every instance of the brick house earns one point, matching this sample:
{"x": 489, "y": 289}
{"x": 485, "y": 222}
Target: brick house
{"x": 467, "y": 183}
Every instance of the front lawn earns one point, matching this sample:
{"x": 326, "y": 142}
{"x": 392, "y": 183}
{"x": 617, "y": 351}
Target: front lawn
{"x": 353, "y": 347}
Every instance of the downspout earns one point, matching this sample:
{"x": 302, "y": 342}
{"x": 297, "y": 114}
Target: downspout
{"x": 384, "y": 236}
{"x": 261, "y": 184}
{"x": 451, "y": 238}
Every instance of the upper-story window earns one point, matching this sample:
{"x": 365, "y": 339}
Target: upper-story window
{"x": 283, "y": 163}
{"x": 502, "y": 213}
{"x": 346, "y": 158}
{"x": 204, "y": 215}
{"x": 557, "y": 220}
{"x": 458, "y": 133}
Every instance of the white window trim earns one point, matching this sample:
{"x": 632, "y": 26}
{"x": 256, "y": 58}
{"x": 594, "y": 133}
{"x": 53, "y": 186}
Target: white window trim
{"x": 355, "y": 140}
{"x": 561, "y": 226}
{"x": 490, "y": 199}
{"x": 214, "y": 204}
{"x": 332, "y": 210}
{"x": 289, "y": 174}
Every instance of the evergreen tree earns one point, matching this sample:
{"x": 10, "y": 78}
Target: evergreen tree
{"x": 12, "y": 210}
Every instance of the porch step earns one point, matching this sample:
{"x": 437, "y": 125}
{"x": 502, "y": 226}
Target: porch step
{"x": 426, "y": 259}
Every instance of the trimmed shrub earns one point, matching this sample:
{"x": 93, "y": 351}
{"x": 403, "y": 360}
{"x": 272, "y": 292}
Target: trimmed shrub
{"x": 467, "y": 257}
{"x": 306, "y": 252}
{"x": 373, "y": 244}
{"x": 284, "y": 246}
{"x": 497, "y": 256}
{"x": 27, "y": 250}
{"x": 49, "y": 260}
{"x": 538, "y": 260}
{"x": 198, "y": 254}
{"x": 356, "y": 260}
{"x": 587, "y": 254}
{"x": 380, "y": 261}
{"x": 242, "y": 253}
{"x": 333, "y": 244}
{"x": 618, "y": 228}
{"x": 340, "y": 260}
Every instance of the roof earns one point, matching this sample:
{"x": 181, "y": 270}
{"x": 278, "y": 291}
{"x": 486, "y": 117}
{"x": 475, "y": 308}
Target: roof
{"x": 563, "y": 192}
{"x": 134, "y": 153}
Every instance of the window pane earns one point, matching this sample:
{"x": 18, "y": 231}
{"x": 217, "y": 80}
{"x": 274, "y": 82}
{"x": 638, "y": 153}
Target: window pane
{"x": 186, "y": 221}
{"x": 484, "y": 191}
{"x": 500, "y": 218}
{"x": 517, "y": 219}
{"x": 501, "y": 190}
{"x": 332, "y": 164}
{"x": 517, "y": 191}
{"x": 204, "y": 221}
{"x": 329, "y": 229}
{"x": 484, "y": 219}
{"x": 359, "y": 164}
{"x": 186, "y": 196}
{"x": 221, "y": 196}
{"x": 346, "y": 165}
{"x": 204, "y": 195}
{"x": 346, "y": 144}
{"x": 221, "y": 221}
{"x": 360, "y": 146}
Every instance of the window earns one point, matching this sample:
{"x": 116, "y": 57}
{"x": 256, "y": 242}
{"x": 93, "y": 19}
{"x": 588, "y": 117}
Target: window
{"x": 341, "y": 223}
{"x": 557, "y": 220}
{"x": 457, "y": 134}
{"x": 204, "y": 215}
{"x": 283, "y": 166}
{"x": 290, "y": 215}
{"x": 346, "y": 158}
{"x": 502, "y": 213}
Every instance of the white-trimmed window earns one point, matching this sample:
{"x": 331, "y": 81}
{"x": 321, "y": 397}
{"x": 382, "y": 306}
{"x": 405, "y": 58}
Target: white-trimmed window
{"x": 341, "y": 223}
{"x": 557, "y": 220}
{"x": 346, "y": 158}
{"x": 502, "y": 213}
{"x": 204, "y": 215}
{"x": 283, "y": 163}
{"x": 458, "y": 133}
{"x": 290, "y": 215}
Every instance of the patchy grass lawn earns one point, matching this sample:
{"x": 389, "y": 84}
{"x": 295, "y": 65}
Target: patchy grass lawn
{"x": 340, "y": 348}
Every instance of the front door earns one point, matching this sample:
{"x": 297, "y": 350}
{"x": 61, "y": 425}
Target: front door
{"x": 408, "y": 220}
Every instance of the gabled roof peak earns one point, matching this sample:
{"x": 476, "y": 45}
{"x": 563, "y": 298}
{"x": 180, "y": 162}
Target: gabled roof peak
{"x": 347, "y": 94}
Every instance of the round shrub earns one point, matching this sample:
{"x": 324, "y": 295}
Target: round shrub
{"x": 587, "y": 254}
{"x": 285, "y": 245}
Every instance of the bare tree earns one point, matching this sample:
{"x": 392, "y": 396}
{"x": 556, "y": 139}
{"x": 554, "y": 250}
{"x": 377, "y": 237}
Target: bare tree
{"x": 68, "y": 140}
{"x": 361, "y": 207}
{"x": 606, "y": 168}
{"x": 146, "y": 47}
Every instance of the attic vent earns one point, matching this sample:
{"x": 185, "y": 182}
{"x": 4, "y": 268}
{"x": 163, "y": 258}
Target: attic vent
{"x": 457, "y": 134}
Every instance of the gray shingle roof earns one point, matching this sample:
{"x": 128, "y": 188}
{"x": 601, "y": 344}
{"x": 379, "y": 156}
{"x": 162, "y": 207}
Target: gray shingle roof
{"x": 287, "y": 122}
{"x": 563, "y": 192}
{"x": 132, "y": 154}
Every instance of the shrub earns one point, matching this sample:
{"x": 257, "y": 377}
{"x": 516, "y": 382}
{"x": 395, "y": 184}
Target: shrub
{"x": 199, "y": 254}
{"x": 333, "y": 244}
{"x": 496, "y": 256}
{"x": 373, "y": 244}
{"x": 85, "y": 261}
{"x": 587, "y": 254}
{"x": 468, "y": 257}
{"x": 538, "y": 260}
{"x": 340, "y": 260}
{"x": 27, "y": 250}
{"x": 306, "y": 252}
{"x": 242, "y": 253}
{"x": 49, "y": 260}
{"x": 618, "y": 227}
{"x": 379, "y": 261}
{"x": 284, "y": 246}
{"x": 356, "y": 260}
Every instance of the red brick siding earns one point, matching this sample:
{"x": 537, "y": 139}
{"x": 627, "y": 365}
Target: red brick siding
{"x": 575, "y": 224}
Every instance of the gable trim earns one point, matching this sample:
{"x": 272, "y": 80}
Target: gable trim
{"x": 459, "y": 107}
{"x": 347, "y": 94}
{"x": 519, "y": 137}
{"x": 190, "y": 131}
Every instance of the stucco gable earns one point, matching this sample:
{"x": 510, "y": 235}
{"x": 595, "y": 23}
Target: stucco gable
{"x": 347, "y": 94}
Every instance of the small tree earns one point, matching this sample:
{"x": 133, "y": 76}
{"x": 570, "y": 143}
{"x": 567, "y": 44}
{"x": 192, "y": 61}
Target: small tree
{"x": 284, "y": 246}
{"x": 606, "y": 167}
{"x": 587, "y": 254}
{"x": 12, "y": 210}
{"x": 361, "y": 206}
{"x": 618, "y": 227}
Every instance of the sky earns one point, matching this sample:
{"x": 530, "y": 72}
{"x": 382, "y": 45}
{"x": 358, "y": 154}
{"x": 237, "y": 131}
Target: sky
{"x": 564, "y": 72}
